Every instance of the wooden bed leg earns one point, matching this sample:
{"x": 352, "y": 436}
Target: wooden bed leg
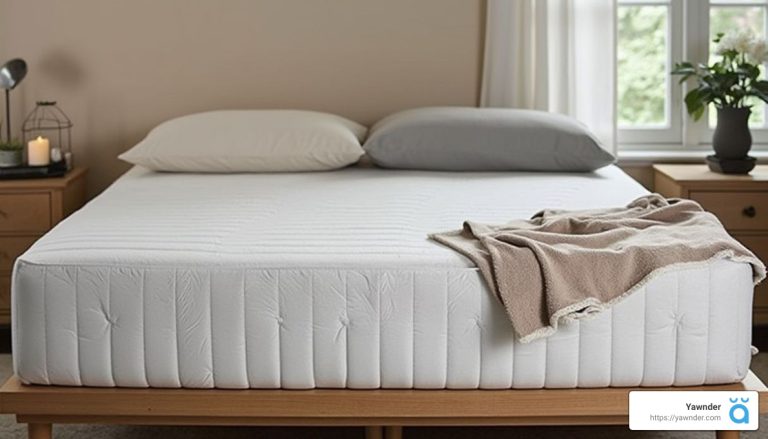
{"x": 727, "y": 434}
{"x": 374, "y": 432}
{"x": 39, "y": 431}
{"x": 396, "y": 432}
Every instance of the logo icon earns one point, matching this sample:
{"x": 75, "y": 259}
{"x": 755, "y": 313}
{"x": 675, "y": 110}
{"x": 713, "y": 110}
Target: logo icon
{"x": 739, "y": 413}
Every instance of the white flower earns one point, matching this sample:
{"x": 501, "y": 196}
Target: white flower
{"x": 738, "y": 40}
{"x": 758, "y": 52}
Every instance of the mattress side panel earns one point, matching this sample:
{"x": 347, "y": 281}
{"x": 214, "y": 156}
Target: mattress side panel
{"x": 94, "y": 326}
{"x": 126, "y": 320}
{"x": 595, "y": 344}
{"x": 430, "y": 330}
{"x": 628, "y": 340}
{"x": 295, "y": 326}
{"x": 661, "y": 317}
{"x": 193, "y": 328}
{"x": 262, "y": 328}
{"x": 160, "y": 328}
{"x": 397, "y": 329}
{"x": 563, "y": 357}
{"x": 265, "y": 328}
{"x": 497, "y": 343}
{"x": 692, "y": 326}
{"x": 331, "y": 321}
{"x": 228, "y": 329}
{"x": 730, "y": 290}
{"x": 61, "y": 332}
{"x": 464, "y": 333}
{"x": 29, "y": 341}
{"x": 364, "y": 294}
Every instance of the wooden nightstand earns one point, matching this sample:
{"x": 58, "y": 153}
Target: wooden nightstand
{"x": 28, "y": 209}
{"x": 739, "y": 201}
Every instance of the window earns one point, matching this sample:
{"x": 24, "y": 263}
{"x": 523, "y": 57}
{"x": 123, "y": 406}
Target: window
{"x": 652, "y": 36}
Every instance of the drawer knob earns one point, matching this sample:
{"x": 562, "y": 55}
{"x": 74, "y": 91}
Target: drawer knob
{"x": 749, "y": 211}
{"x": 3, "y": 214}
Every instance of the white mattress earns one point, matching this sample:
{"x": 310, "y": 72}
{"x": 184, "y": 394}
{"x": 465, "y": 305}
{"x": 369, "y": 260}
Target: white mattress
{"x": 328, "y": 280}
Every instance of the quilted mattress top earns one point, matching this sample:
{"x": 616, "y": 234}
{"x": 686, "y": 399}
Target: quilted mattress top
{"x": 352, "y": 218}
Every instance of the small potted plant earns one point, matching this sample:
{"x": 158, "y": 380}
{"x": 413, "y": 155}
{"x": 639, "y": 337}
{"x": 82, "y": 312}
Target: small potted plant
{"x": 11, "y": 153}
{"x": 728, "y": 83}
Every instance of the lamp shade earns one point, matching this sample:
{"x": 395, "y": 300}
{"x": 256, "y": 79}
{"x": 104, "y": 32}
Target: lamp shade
{"x": 12, "y": 73}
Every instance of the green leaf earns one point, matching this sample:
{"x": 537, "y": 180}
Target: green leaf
{"x": 683, "y": 70}
{"x": 763, "y": 96}
{"x": 684, "y": 66}
{"x": 761, "y": 86}
{"x": 695, "y": 104}
{"x": 698, "y": 113}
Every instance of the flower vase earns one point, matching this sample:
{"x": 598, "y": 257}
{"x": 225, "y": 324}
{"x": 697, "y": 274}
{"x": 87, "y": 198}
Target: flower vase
{"x": 732, "y": 142}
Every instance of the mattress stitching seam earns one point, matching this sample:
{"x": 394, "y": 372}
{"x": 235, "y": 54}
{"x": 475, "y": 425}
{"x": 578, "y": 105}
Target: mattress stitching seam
{"x": 677, "y": 327}
{"x": 611, "y": 346}
{"x": 144, "y": 323}
{"x": 176, "y": 324}
{"x": 481, "y": 345}
{"x": 210, "y": 326}
{"x": 432, "y": 268}
{"x": 347, "y": 328}
{"x": 312, "y": 327}
{"x": 735, "y": 322}
{"x": 581, "y": 352}
{"x": 413, "y": 329}
{"x": 111, "y": 328}
{"x": 709, "y": 324}
{"x": 378, "y": 293}
{"x": 77, "y": 329}
{"x": 447, "y": 377}
{"x": 45, "y": 325}
{"x": 645, "y": 334}
{"x": 279, "y": 331}
{"x": 245, "y": 331}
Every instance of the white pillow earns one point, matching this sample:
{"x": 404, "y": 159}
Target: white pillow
{"x": 250, "y": 141}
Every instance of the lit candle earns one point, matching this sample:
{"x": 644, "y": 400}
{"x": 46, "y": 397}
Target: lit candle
{"x": 39, "y": 152}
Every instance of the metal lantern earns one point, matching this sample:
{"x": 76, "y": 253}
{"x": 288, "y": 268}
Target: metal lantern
{"x": 47, "y": 120}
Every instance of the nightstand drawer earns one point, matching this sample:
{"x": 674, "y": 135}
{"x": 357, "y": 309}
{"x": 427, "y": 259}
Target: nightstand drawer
{"x": 25, "y": 212}
{"x": 736, "y": 210}
{"x": 11, "y": 247}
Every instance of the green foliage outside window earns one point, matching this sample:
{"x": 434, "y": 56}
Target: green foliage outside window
{"x": 642, "y": 65}
{"x": 642, "y": 54}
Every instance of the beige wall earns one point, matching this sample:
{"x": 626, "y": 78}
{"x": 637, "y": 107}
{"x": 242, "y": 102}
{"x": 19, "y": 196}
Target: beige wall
{"x": 119, "y": 67}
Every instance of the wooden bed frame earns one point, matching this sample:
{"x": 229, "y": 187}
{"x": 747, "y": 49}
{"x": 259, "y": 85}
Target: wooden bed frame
{"x": 382, "y": 412}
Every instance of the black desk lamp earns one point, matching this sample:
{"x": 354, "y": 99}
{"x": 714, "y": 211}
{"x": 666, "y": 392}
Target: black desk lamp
{"x": 11, "y": 74}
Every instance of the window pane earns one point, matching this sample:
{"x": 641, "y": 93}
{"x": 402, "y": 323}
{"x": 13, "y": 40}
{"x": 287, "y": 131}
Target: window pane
{"x": 727, "y": 2}
{"x": 724, "y": 19}
{"x": 642, "y": 66}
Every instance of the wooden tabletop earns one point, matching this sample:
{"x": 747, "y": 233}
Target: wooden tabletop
{"x": 43, "y": 183}
{"x": 702, "y": 173}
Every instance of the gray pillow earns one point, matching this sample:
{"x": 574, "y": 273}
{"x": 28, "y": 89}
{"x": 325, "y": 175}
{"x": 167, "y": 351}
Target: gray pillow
{"x": 484, "y": 139}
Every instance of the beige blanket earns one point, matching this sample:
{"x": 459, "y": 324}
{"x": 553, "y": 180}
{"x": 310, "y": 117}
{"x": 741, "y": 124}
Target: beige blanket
{"x": 560, "y": 265}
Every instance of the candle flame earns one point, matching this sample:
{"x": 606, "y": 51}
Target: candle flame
{"x": 39, "y": 138}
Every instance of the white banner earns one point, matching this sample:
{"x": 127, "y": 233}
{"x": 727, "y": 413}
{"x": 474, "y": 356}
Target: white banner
{"x": 693, "y": 410}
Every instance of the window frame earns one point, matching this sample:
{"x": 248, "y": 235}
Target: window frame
{"x": 688, "y": 39}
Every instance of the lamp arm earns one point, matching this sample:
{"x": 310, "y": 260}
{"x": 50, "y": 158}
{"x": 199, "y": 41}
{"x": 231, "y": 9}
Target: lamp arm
{"x": 8, "y": 114}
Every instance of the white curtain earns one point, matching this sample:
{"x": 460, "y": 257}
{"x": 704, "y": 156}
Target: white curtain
{"x": 554, "y": 55}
